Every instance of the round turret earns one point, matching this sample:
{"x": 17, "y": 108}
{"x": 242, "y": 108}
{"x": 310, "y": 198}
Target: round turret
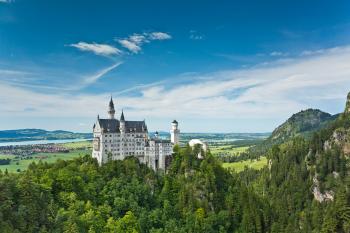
{"x": 174, "y": 132}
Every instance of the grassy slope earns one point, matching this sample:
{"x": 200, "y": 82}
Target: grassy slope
{"x": 45, "y": 157}
{"x": 227, "y": 149}
{"x": 239, "y": 166}
{"x": 77, "y": 145}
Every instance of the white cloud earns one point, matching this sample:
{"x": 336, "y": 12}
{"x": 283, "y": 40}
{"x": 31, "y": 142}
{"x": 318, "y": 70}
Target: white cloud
{"x": 272, "y": 92}
{"x": 93, "y": 78}
{"x": 134, "y": 42}
{"x": 278, "y": 54}
{"x": 130, "y": 45}
{"x": 194, "y": 35}
{"x": 320, "y": 51}
{"x": 159, "y": 36}
{"x": 138, "y": 39}
{"x": 98, "y": 49}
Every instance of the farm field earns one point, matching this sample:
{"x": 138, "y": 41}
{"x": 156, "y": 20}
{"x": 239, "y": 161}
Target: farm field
{"x": 6, "y": 156}
{"x": 77, "y": 145}
{"x": 239, "y": 166}
{"x": 219, "y": 150}
{"x": 22, "y": 164}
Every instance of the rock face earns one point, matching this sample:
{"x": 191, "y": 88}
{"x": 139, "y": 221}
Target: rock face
{"x": 341, "y": 138}
{"x": 321, "y": 197}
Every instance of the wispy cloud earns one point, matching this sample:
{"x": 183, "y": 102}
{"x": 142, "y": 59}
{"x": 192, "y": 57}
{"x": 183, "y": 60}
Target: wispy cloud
{"x": 130, "y": 45}
{"x": 6, "y": 1}
{"x": 274, "y": 91}
{"x": 194, "y": 35}
{"x": 159, "y": 36}
{"x": 43, "y": 80}
{"x": 134, "y": 42}
{"x": 93, "y": 78}
{"x": 98, "y": 49}
{"x": 278, "y": 54}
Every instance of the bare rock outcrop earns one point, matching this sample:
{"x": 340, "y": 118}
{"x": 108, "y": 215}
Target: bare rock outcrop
{"x": 341, "y": 138}
{"x": 318, "y": 195}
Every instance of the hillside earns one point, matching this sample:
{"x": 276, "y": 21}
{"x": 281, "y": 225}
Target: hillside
{"x": 303, "y": 123}
{"x": 39, "y": 134}
{"x": 304, "y": 189}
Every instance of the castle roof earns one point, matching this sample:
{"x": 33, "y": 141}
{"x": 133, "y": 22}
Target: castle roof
{"x": 122, "y": 116}
{"x": 111, "y": 104}
{"x": 112, "y": 126}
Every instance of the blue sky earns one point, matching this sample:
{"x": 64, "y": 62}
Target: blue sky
{"x": 215, "y": 66}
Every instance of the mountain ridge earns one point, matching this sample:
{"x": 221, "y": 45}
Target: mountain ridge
{"x": 33, "y": 134}
{"x": 302, "y": 123}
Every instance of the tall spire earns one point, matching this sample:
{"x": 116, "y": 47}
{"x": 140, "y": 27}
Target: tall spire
{"x": 111, "y": 110}
{"x": 122, "y": 116}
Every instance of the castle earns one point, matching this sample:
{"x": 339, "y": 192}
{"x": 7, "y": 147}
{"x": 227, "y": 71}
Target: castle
{"x": 117, "y": 139}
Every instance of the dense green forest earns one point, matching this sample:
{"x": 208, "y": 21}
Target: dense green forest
{"x": 192, "y": 196}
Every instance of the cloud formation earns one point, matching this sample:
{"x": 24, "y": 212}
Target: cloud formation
{"x": 98, "y": 49}
{"x": 194, "y": 35}
{"x": 274, "y": 91}
{"x": 278, "y": 54}
{"x": 93, "y": 78}
{"x": 159, "y": 36}
{"x": 130, "y": 45}
{"x": 134, "y": 42}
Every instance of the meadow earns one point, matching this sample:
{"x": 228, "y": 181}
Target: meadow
{"x": 18, "y": 164}
{"x": 219, "y": 150}
{"x": 239, "y": 166}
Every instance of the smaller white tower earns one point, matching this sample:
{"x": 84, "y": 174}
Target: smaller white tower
{"x": 122, "y": 123}
{"x": 175, "y": 132}
{"x": 122, "y": 129}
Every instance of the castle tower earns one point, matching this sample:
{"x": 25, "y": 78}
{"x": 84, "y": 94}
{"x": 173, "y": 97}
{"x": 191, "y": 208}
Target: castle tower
{"x": 175, "y": 132}
{"x": 122, "y": 123}
{"x": 111, "y": 110}
{"x": 122, "y": 129}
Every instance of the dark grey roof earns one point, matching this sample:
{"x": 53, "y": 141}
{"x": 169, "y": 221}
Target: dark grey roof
{"x": 135, "y": 126}
{"x": 109, "y": 125}
{"x": 174, "y": 121}
{"x": 111, "y": 104}
{"x": 112, "y": 126}
{"x": 122, "y": 116}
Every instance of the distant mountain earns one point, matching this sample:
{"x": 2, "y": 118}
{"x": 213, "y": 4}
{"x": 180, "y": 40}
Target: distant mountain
{"x": 302, "y": 123}
{"x": 39, "y": 134}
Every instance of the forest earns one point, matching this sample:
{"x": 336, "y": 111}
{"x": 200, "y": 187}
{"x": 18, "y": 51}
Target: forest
{"x": 193, "y": 195}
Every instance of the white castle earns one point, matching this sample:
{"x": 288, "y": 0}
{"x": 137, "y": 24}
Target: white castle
{"x": 117, "y": 139}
